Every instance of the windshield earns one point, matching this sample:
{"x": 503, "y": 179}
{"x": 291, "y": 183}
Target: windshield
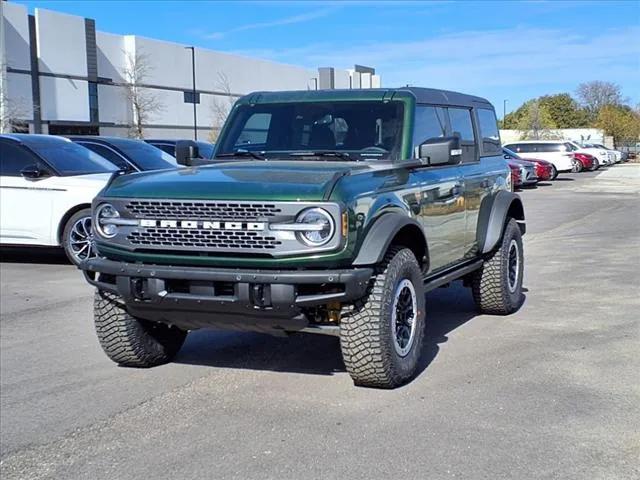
{"x": 359, "y": 129}
{"x": 71, "y": 159}
{"x": 145, "y": 156}
{"x": 511, "y": 153}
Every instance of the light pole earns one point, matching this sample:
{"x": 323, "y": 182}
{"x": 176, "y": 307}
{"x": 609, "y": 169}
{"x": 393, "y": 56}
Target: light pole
{"x": 504, "y": 114}
{"x": 193, "y": 78}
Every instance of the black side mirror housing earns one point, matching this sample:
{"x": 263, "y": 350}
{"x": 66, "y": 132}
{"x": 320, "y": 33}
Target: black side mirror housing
{"x": 441, "y": 151}
{"x": 186, "y": 152}
{"x": 32, "y": 172}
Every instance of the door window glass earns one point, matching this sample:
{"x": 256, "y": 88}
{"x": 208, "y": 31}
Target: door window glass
{"x": 13, "y": 159}
{"x": 461, "y": 123}
{"x": 489, "y": 131}
{"x": 430, "y": 123}
{"x": 107, "y": 153}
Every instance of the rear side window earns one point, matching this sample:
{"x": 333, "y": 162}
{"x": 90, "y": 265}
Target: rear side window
{"x": 461, "y": 123}
{"x": 489, "y": 133}
{"x": 550, "y": 147}
{"x": 13, "y": 159}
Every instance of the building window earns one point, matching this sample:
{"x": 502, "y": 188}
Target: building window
{"x": 93, "y": 102}
{"x": 189, "y": 97}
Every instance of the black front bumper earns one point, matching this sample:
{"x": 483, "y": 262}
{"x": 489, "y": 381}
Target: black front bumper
{"x": 240, "y": 299}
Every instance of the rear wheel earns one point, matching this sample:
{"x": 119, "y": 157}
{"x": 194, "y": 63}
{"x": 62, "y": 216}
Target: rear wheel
{"x": 133, "y": 342}
{"x": 594, "y": 165}
{"x": 382, "y": 338}
{"x": 554, "y": 172}
{"x": 497, "y": 285}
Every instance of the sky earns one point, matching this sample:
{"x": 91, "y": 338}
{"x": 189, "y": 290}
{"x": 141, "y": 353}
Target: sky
{"x": 509, "y": 50}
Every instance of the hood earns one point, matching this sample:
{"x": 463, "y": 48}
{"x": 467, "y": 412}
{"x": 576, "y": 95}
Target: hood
{"x": 252, "y": 180}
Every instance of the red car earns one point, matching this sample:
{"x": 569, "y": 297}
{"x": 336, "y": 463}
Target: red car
{"x": 544, "y": 170}
{"x": 589, "y": 162}
{"x": 516, "y": 176}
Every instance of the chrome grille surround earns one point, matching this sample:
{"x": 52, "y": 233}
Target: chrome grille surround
{"x": 240, "y": 226}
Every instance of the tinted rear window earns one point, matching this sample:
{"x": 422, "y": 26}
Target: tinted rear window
{"x": 489, "y": 131}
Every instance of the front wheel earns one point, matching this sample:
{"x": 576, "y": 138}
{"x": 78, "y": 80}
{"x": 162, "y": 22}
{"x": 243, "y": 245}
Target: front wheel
{"x": 497, "y": 285}
{"x": 381, "y": 339}
{"x": 576, "y": 166}
{"x": 595, "y": 165}
{"x": 554, "y": 173}
{"x": 130, "y": 341}
{"x": 77, "y": 237}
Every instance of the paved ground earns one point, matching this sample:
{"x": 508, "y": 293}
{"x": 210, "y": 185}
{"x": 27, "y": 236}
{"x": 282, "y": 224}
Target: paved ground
{"x": 551, "y": 392}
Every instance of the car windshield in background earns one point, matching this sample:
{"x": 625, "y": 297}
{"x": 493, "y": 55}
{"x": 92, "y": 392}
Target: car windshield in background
{"x": 71, "y": 159}
{"x": 342, "y": 130}
{"x": 511, "y": 153}
{"x": 205, "y": 150}
{"x": 145, "y": 156}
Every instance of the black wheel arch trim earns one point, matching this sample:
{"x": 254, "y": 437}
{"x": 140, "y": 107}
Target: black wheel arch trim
{"x": 494, "y": 210}
{"x": 380, "y": 236}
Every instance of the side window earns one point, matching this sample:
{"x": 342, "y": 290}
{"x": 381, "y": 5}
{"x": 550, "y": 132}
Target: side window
{"x": 489, "y": 133}
{"x": 107, "y": 153}
{"x": 550, "y": 147}
{"x": 13, "y": 159}
{"x": 430, "y": 123}
{"x": 255, "y": 130}
{"x": 462, "y": 125}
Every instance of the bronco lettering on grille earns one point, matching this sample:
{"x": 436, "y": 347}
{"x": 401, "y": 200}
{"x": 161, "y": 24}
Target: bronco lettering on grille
{"x": 203, "y": 224}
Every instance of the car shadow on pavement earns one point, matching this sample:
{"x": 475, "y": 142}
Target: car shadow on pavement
{"x": 43, "y": 255}
{"x": 447, "y": 310}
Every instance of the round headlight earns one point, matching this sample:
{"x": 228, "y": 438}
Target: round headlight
{"x": 105, "y": 213}
{"x": 321, "y": 227}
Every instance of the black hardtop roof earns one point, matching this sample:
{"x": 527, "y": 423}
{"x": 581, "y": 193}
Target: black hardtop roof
{"x": 422, "y": 95}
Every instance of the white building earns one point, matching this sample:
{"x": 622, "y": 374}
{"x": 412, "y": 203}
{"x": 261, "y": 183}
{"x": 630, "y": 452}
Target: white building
{"x": 62, "y": 76}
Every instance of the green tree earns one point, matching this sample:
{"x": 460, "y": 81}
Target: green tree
{"x": 620, "y": 122}
{"x": 534, "y": 120}
{"x": 564, "y": 111}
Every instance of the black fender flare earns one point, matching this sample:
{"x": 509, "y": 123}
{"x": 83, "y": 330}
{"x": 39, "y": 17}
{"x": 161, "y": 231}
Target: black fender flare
{"x": 494, "y": 210}
{"x": 380, "y": 236}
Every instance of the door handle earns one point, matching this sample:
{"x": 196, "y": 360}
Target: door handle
{"x": 456, "y": 190}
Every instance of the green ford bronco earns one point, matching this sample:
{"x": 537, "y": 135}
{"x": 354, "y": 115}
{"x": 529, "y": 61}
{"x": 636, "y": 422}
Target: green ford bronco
{"x": 329, "y": 212}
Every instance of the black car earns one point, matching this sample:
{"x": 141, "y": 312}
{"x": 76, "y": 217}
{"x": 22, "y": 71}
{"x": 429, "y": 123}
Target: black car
{"x": 204, "y": 153}
{"x": 126, "y": 153}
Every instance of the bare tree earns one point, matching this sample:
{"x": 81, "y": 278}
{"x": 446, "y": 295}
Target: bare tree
{"x": 220, "y": 108}
{"x": 144, "y": 102}
{"x": 14, "y": 112}
{"x": 596, "y": 94}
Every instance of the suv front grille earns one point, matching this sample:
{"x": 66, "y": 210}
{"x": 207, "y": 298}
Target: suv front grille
{"x": 201, "y": 210}
{"x": 185, "y": 238}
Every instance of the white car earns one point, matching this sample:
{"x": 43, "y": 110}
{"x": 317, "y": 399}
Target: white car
{"x": 616, "y": 153}
{"x": 554, "y": 151}
{"x": 47, "y": 184}
{"x": 603, "y": 156}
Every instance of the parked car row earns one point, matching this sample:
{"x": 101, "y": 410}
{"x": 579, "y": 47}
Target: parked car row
{"x": 548, "y": 158}
{"x": 51, "y": 181}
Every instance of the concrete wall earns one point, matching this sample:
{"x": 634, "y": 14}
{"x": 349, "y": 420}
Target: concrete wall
{"x": 587, "y": 135}
{"x": 62, "y": 51}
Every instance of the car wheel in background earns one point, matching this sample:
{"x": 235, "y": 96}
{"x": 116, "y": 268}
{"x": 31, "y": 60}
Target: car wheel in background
{"x": 77, "y": 237}
{"x": 576, "y": 165}
{"x": 595, "y": 165}
{"x": 554, "y": 173}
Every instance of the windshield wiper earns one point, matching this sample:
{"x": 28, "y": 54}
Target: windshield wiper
{"x": 323, "y": 153}
{"x": 242, "y": 153}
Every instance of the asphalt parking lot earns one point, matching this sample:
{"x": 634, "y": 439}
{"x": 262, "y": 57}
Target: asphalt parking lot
{"x": 550, "y": 392}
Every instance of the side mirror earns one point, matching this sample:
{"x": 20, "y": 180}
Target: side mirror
{"x": 441, "y": 151}
{"x": 31, "y": 172}
{"x": 186, "y": 152}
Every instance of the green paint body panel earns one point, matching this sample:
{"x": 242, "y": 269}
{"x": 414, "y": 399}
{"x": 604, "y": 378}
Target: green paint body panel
{"x": 365, "y": 190}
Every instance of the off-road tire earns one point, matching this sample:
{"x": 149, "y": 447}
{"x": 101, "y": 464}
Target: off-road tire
{"x": 132, "y": 342}
{"x": 367, "y": 336}
{"x": 490, "y": 283}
